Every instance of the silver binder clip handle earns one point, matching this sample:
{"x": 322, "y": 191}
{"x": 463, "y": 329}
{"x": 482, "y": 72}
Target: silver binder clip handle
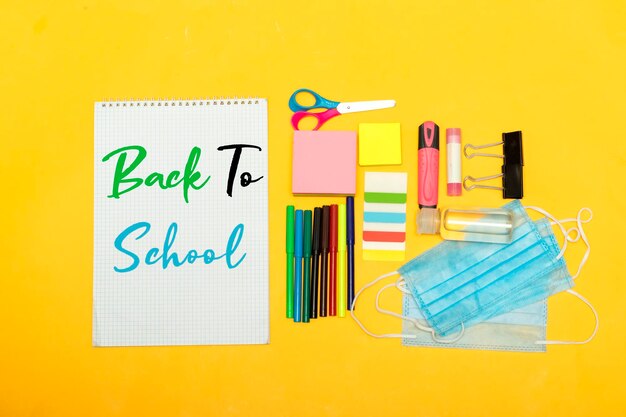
{"x": 489, "y": 145}
{"x": 469, "y": 178}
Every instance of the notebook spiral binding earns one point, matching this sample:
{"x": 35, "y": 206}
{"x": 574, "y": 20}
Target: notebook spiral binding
{"x": 174, "y": 102}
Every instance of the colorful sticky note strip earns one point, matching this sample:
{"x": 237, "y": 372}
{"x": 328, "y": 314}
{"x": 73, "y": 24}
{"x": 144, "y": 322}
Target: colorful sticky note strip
{"x": 384, "y": 216}
{"x": 324, "y": 162}
{"x": 380, "y": 144}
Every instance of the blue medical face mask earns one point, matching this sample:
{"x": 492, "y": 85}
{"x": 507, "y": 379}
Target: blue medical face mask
{"x": 518, "y": 330}
{"x": 459, "y": 284}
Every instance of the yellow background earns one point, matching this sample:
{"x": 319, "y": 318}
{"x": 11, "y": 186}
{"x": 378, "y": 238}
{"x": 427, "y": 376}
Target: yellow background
{"x": 556, "y": 70}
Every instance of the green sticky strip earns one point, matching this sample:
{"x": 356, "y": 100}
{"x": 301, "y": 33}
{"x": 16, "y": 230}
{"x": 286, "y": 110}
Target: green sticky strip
{"x": 397, "y": 198}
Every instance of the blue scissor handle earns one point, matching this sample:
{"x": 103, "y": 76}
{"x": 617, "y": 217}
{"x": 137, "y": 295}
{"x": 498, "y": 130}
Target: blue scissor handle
{"x": 320, "y": 102}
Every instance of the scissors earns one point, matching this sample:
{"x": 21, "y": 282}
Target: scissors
{"x": 334, "y": 108}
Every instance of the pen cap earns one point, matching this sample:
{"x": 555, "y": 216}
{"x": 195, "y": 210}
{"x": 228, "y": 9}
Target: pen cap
{"x": 428, "y": 136}
{"x": 317, "y": 230}
{"x": 290, "y": 231}
{"x": 298, "y": 235}
{"x": 333, "y": 227}
{"x": 428, "y": 221}
{"x": 307, "y": 233}
{"x": 453, "y": 135}
{"x": 350, "y": 220}
{"x": 341, "y": 228}
{"x": 325, "y": 227}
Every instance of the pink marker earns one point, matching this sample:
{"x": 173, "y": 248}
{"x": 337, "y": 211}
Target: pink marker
{"x": 453, "y": 144}
{"x": 428, "y": 165}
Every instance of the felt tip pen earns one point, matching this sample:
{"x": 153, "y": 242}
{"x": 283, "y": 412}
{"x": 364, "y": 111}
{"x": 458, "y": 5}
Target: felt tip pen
{"x": 306, "y": 268}
{"x": 342, "y": 297}
{"x": 323, "y": 312}
{"x": 332, "y": 275}
{"x": 290, "y": 249}
{"x": 350, "y": 247}
{"x": 315, "y": 260}
{"x": 298, "y": 252}
{"x": 428, "y": 165}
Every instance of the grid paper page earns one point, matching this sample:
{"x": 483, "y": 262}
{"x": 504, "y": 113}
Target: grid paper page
{"x": 192, "y": 266}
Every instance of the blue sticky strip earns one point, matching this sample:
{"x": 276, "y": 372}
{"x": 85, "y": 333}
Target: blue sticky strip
{"x": 374, "y": 217}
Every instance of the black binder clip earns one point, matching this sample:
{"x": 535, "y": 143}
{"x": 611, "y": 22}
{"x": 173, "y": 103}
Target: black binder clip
{"x": 512, "y": 170}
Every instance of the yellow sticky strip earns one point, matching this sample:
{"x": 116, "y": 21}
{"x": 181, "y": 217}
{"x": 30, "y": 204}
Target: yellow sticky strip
{"x": 383, "y": 255}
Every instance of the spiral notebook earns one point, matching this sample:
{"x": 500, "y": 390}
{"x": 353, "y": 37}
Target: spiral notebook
{"x": 180, "y": 223}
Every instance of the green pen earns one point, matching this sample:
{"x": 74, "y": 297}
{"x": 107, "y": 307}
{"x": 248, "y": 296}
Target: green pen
{"x": 306, "y": 286}
{"x": 290, "y": 249}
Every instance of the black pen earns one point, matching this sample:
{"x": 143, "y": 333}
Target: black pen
{"x": 315, "y": 259}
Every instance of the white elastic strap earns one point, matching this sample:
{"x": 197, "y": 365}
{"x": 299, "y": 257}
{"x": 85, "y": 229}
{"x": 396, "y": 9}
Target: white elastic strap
{"x": 414, "y": 321}
{"x": 400, "y": 285}
{"x": 574, "y": 342}
{"x": 566, "y": 233}
{"x": 394, "y": 335}
{"x": 352, "y": 307}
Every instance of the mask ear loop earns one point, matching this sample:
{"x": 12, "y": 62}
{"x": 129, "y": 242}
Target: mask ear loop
{"x": 352, "y": 309}
{"x": 401, "y": 286}
{"x": 580, "y": 235}
{"x": 575, "y": 342}
{"x": 580, "y": 232}
{"x": 394, "y": 335}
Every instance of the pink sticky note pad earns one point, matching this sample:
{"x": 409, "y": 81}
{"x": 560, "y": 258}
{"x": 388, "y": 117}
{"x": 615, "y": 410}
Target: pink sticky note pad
{"x": 324, "y": 162}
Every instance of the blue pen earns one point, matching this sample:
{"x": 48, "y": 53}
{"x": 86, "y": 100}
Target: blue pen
{"x": 350, "y": 247}
{"x": 298, "y": 252}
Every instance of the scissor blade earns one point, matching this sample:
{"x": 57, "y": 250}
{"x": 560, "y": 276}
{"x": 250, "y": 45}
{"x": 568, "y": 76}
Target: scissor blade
{"x": 356, "y": 106}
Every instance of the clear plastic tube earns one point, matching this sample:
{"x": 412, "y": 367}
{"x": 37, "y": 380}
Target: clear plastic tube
{"x": 472, "y": 225}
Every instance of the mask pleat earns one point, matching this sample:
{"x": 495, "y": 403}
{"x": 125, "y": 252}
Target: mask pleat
{"x": 485, "y": 275}
{"x": 431, "y": 290}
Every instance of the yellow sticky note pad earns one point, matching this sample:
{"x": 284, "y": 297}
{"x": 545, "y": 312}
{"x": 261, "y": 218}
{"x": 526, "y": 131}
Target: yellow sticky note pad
{"x": 380, "y": 144}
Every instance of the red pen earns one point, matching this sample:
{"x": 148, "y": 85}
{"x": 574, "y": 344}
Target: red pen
{"x": 332, "y": 276}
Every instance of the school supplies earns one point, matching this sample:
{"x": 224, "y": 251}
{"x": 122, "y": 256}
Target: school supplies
{"x": 180, "y": 223}
{"x": 342, "y": 284}
{"x": 319, "y": 286}
{"x": 453, "y": 158}
{"x": 324, "y": 162}
{"x": 298, "y": 254}
{"x": 290, "y": 247}
{"x": 380, "y": 144}
{"x": 512, "y": 169}
{"x": 384, "y": 216}
{"x": 334, "y": 108}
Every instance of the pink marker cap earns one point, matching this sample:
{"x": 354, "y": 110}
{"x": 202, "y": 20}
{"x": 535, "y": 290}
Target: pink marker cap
{"x": 454, "y": 188}
{"x": 453, "y": 135}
